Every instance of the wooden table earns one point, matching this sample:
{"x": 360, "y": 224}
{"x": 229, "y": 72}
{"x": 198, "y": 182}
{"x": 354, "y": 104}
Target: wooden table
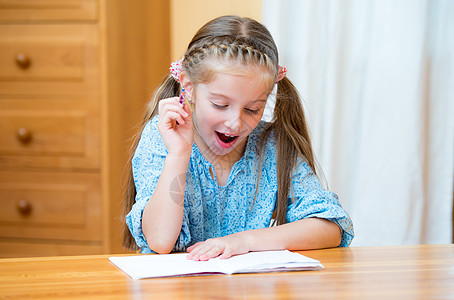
{"x": 404, "y": 272}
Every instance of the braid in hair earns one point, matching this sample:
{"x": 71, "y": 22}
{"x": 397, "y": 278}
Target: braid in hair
{"x": 234, "y": 52}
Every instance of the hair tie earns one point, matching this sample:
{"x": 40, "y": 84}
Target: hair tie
{"x": 175, "y": 69}
{"x": 177, "y": 66}
{"x": 282, "y": 72}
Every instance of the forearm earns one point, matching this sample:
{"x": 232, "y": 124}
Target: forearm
{"x": 163, "y": 215}
{"x": 311, "y": 233}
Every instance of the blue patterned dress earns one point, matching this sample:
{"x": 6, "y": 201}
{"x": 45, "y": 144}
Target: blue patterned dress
{"x": 211, "y": 210}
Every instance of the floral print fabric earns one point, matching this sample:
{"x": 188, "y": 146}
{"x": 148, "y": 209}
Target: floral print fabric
{"x": 211, "y": 210}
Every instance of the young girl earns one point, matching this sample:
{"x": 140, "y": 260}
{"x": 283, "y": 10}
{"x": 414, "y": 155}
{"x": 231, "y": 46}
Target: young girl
{"x": 208, "y": 176}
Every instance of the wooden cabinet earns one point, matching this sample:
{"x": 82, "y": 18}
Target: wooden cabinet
{"x": 50, "y": 60}
{"x": 74, "y": 79}
{"x": 51, "y": 205}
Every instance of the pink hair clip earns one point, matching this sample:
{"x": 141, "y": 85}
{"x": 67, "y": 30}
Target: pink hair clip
{"x": 282, "y": 72}
{"x": 175, "y": 69}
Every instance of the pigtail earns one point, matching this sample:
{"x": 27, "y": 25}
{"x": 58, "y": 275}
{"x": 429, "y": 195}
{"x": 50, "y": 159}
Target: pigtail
{"x": 167, "y": 89}
{"x": 293, "y": 142}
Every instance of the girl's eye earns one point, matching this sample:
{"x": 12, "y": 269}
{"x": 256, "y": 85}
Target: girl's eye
{"x": 248, "y": 110}
{"x": 252, "y": 111}
{"x": 217, "y": 106}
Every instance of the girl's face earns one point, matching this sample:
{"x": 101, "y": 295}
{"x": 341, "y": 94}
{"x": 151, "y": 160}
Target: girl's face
{"x": 227, "y": 109}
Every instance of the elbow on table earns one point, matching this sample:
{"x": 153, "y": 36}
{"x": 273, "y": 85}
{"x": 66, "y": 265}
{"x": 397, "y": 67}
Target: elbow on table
{"x": 329, "y": 234}
{"x": 161, "y": 247}
{"x": 338, "y": 239}
{"x": 336, "y": 235}
{"x": 159, "y": 241}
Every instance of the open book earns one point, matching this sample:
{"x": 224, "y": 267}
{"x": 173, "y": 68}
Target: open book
{"x": 167, "y": 265}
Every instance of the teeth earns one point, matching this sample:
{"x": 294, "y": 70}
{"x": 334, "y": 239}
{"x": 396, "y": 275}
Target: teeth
{"x": 229, "y": 135}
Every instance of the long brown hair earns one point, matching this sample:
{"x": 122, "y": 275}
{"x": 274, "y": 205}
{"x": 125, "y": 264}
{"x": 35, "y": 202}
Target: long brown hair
{"x": 239, "y": 41}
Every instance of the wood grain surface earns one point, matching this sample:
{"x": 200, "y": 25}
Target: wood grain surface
{"x": 401, "y": 272}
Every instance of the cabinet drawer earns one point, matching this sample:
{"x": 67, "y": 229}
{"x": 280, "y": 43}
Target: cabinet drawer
{"x": 54, "y": 138}
{"x": 50, "y": 206}
{"x": 42, "y": 133}
{"x": 49, "y": 59}
{"x": 33, "y": 10}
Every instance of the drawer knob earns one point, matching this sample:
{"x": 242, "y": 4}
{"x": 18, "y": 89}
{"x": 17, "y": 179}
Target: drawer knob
{"x": 24, "y": 136}
{"x": 23, "y": 61}
{"x": 24, "y": 208}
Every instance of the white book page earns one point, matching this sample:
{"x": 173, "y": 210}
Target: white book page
{"x": 166, "y": 265}
{"x": 161, "y": 265}
{"x": 265, "y": 261}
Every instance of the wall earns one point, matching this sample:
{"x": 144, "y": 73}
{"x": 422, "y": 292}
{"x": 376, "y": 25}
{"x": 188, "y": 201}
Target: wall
{"x": 188, "y": 16}
{"x": 137, "y": 54}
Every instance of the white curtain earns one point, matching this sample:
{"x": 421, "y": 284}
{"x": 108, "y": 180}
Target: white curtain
{"x": 377, "y": 79}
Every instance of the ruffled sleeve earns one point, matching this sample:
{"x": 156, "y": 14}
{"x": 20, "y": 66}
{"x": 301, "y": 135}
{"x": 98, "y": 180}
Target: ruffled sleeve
{"x": 147, "y": 165}
{"x": 311, "y": 200}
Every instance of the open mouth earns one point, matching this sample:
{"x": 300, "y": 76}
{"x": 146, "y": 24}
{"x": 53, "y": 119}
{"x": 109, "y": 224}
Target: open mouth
{"x": 225, "y": 138}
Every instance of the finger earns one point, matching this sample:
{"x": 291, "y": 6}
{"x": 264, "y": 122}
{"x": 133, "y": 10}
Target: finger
{"x": 171, "y": 117}
{"x": 173, "y": 109}
{"x": 227, "y": 253}
{"x": 206, "y": 253}
{"x": 165, "y": 103}
{"x": 210, "y": 254}
{"x": 187, "y": 108}
{"x": 190, "y": 248}
{"x": 172, "y": 104}
{"x": 196, "y": 252}
{"x": 200, "y": 250}
{"x": 171, "y": 100}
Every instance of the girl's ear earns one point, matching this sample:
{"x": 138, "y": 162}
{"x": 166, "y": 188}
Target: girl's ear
{"x": 187, "y": 84}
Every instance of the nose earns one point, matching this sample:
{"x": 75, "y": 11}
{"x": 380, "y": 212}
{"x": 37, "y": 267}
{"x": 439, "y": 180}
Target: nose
{"x": 234, "y": 122}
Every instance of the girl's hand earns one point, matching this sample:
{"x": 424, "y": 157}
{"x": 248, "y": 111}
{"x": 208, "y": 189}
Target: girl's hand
{"x": 223, "y": 247}
{"x": 175, "y": 126}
